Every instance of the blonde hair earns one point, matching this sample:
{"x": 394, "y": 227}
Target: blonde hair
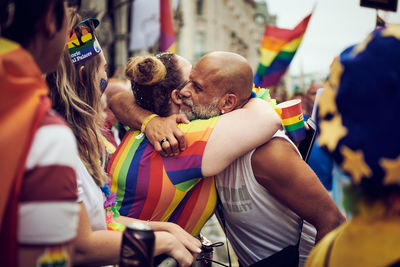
{"x": 77, "y": 99}
{"x": 145, "y": 70}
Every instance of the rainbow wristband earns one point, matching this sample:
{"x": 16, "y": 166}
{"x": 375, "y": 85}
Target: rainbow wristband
{"x": 146, "y": 121}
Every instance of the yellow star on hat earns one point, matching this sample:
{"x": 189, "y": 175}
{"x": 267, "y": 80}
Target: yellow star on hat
{"x": 326, "y": 102}
{"x": 331, "y": 132}
{"x": 353, "y": 162}
{"x": 392, "y": 170}
{"x": 336, "y": 73}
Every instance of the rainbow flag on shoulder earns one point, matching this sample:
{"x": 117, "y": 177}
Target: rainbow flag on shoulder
{"x": 277, "y": 50}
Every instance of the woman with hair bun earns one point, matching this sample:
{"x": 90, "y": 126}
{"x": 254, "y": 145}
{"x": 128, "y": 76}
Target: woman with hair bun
{"x": 181, "y": 188}
{"x": 76, "y": 89}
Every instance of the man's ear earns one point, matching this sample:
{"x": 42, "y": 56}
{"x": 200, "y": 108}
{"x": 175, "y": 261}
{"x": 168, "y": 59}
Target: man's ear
{"x": 228, "y": 103}
{"x": 176, "y": 97}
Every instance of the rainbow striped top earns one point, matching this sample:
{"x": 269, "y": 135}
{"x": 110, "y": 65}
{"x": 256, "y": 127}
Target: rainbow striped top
{"x": 151, "y": 187}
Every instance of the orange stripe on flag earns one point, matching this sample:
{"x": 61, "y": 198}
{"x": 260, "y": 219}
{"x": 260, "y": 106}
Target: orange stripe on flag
{"x": 272, "y": 44}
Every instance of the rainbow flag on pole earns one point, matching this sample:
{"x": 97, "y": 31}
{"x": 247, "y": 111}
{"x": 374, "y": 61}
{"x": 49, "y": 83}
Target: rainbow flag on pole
{"x": 380, "y": 22}
{"x": 277, "y": 50}
{"x": 167, "y": 33}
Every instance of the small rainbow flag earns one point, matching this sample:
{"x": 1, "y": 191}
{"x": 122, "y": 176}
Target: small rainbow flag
{"x": 277, "y": 50}
{"x": 380, "y": 22}
{"x": 167, "y": 33}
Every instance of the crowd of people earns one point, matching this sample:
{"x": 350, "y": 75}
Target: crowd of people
{"x": 176, "y": 143}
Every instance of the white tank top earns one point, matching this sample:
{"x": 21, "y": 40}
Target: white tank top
{"x": 257, "y": 224}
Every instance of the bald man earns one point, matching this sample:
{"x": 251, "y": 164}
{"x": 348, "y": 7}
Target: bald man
{"x": 267, "y": 193}
{"x": 217, "y": 85}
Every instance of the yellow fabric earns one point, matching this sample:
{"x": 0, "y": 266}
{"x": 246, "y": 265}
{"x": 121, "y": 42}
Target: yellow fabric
{"x": 359, "y": 242}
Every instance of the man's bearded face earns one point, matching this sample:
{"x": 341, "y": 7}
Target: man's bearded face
{"x": 200, "y": 111}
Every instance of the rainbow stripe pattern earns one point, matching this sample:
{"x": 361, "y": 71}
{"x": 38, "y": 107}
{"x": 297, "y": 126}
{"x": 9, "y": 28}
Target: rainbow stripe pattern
{"x": 82, "y": 43}
{"x": 293, "y": 119}
{"x": 380, "y": 22}
{"x": 151, "y": 187}
{"x": 167, "y": 34}
{"x": 277, "y": 50}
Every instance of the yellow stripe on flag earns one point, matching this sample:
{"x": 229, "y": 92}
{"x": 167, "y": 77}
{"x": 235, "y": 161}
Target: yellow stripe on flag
{"x": 267, "y": 57}
{"x": 173, "y": 48}
{"x": 292, "y": 45}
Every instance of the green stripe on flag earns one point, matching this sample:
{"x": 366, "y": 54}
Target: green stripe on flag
{"x": 286, "y": 54}
{"x": 261, "y": 70}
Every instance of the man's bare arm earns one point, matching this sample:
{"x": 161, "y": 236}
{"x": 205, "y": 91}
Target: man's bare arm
{"x": 238, "y": 132}
{"x": 279, "y": 168}
{"x": 129, "y": 113}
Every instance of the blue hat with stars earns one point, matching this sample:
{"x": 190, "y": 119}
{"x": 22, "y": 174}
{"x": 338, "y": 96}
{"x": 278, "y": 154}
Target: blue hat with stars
{"x": 359, "y": 107}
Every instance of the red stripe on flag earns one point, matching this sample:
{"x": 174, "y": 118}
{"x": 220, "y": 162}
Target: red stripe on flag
{"x": 167, "y": 35}
{"x": 287, "y": 34}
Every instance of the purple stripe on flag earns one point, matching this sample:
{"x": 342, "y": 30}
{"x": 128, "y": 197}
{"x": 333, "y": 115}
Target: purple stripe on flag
{"x": 166, "y": 41}
{"x": 272, "y": 79}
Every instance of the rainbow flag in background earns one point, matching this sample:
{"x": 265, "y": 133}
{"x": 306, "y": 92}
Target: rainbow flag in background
{"x": 167, "y": 33}
{"x": 380, "y": 22}
{"x": 277, "y": 50}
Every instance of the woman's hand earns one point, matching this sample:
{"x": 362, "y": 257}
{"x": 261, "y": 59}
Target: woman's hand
{"x": 171, "y": 245}
{"x": 190, "y": 242}
{"x": 160, "y": 128}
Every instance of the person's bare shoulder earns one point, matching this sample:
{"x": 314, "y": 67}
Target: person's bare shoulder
{"x": 274, "y": 157}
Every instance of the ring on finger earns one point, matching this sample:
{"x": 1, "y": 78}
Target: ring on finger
{"x": 164, "y": 140}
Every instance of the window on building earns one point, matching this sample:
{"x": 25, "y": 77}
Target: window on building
{"x": 199, "y": 48}
{"x": 199, "y": 7}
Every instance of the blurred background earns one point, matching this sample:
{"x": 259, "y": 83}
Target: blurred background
{"x": 132, "y": 27}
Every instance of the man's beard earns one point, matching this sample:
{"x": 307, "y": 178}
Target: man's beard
{"x": 199, "y": 112}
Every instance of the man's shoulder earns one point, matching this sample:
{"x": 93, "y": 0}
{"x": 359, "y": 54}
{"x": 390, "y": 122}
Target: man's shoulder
{"x": 275, "y": 152}
{"x": 275, "y": 147}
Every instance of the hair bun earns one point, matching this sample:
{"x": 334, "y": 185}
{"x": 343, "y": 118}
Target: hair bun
{"x": 145, "y": 70}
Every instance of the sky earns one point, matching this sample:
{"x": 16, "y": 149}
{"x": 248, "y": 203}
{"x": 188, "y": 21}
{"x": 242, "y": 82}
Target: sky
{"x": 335, "y": 25}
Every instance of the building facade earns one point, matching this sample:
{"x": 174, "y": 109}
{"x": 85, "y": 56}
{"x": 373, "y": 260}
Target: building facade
{"x": 228, "y": 25}
{"x": 201, "y": 26}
